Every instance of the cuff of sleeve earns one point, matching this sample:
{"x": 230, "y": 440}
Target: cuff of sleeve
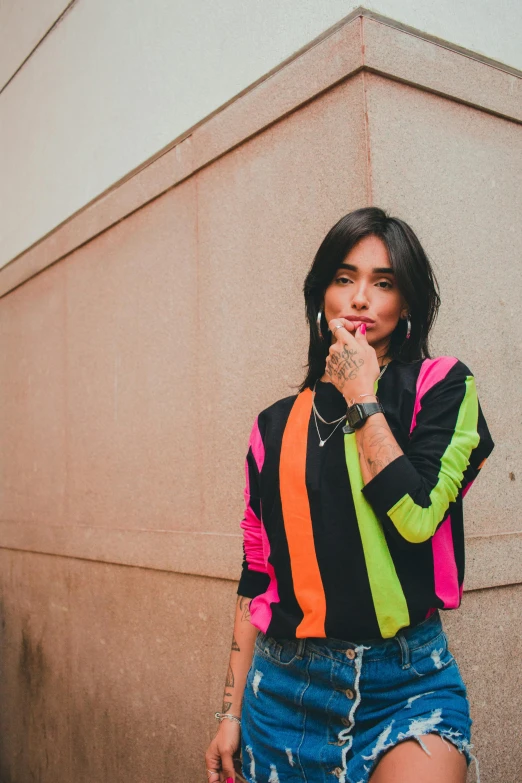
{"x": 253, "y": 583}
{"x": 397, "y": 479}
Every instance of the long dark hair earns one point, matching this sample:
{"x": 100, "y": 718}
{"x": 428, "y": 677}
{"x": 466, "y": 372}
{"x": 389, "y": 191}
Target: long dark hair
{"x": 413, "y": 274}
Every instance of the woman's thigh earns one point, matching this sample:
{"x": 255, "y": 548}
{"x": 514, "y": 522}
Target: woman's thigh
{"x": 407, "y": 762}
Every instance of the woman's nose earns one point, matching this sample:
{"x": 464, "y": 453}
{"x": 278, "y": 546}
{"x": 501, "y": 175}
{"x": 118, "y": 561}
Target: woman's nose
{"x": 360, "y": 298}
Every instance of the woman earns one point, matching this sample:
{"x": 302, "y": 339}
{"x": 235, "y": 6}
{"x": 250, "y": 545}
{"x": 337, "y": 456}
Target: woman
{"x": 353, "y": 536}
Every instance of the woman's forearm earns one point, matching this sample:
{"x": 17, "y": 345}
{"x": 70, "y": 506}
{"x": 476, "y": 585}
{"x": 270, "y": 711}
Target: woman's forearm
{"x": 376, "y": 445}
{"x": 242, "y": 650}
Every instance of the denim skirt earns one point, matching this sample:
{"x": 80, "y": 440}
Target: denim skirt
{"x": 317, "y": 709}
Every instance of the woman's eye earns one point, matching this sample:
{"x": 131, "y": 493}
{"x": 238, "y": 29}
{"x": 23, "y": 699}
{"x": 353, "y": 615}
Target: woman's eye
{"x": 343, "y": 280}
{"x": 386, "y": 283}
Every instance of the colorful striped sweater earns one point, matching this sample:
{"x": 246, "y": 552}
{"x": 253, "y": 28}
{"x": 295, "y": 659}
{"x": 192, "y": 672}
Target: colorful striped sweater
{"x": 325, "y": 555}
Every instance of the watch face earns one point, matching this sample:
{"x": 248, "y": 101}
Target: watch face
{"x": 354, "y": 414}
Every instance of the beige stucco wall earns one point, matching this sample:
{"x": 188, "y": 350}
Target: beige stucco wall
{"x": 140, "y": 339}
{"x": 90, "y": 89}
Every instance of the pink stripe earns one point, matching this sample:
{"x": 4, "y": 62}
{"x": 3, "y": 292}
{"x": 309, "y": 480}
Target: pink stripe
{"x": 464, "y": 491}
{"x": 445, "y": 567}
{"x": 260, "y": 609}
{"x": 431, "y": 372}
{"x": 257, "y": 545}
{"x": 257, "y": 446}
{"x": 251, "y": 525}
{"x": 444, "y": 564}
{"x": 467, "y": 488}
{"x": 252, "y": 540}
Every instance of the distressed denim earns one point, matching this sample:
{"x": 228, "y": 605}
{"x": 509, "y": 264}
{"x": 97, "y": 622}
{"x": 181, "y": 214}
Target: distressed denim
{"x": 319, "y": 709}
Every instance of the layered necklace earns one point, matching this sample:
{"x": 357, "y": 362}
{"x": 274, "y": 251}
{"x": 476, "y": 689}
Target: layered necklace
{"x": 338, "y": 421}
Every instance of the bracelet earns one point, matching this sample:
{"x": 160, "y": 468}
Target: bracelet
{"x": 352, "y": 400}
{"x": 220, "y": 715}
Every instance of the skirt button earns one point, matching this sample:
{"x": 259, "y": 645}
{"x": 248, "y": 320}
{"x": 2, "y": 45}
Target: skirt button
{"x": 350, "y": 654}
{"x": 349, "y": 693}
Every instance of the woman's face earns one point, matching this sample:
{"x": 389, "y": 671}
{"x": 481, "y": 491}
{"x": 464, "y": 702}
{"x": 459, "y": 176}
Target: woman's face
{"x": 364, "y": 289}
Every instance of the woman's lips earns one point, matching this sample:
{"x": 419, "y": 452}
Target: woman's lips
{"x": 368, "y": 324}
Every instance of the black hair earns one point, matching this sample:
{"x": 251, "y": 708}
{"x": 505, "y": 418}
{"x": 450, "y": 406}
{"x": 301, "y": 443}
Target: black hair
{"x": 414, "y": 277}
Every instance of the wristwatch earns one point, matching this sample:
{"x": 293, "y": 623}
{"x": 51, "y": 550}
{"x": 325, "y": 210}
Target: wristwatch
{"x": 358, "y": 413}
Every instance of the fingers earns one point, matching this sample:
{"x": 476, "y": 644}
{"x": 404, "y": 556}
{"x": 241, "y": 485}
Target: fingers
{"x": 360, "y": 334}
{"x": 228, "y": 770}
{"x": 213, "y": 761}
{"x": 346, "y": 326}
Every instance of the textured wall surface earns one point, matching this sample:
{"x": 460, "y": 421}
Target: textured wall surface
{"x": 89, "y": 90}
{"x": 139, "y": 341}
{"x": 110, "y": 673}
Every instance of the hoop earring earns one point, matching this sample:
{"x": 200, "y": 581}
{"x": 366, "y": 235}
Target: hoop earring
{"x": 408, "y": 327}
{"x": 319, "y": 314}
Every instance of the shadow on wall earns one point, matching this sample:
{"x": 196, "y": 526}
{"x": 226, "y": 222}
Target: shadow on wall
{"x": 23, "y": 735}
{"x": 52, "y": 734}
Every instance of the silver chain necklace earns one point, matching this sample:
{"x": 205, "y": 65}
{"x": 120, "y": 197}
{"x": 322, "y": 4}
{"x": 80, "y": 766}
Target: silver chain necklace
{"x": 321, "y": 441}
{"x": 335, "y": 421}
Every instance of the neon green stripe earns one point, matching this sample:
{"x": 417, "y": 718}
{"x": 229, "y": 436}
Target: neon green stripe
{"x": 417, "y": 524}
{"x": 388, "y": 598}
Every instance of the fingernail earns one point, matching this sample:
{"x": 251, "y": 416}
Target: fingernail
{"x": 230, "y": 780}
{"x": 362, "y": 328}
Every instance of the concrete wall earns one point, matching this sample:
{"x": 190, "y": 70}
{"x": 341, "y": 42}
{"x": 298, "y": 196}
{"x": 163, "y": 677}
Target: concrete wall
{"x": 112, "y": 674}
{"x": 90, "y": 89}
{"x": 139, "y": 340}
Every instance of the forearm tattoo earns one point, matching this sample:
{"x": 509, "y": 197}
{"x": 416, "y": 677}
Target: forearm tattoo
{"x": 229, "y": 686}
{"x": 226, "y": 702}
{"x": 230, "y": 678}
{"x": 244, "y": 605}
{"x": 377, "y": 447}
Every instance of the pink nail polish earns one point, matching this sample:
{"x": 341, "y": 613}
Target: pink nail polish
{"x": 229, "y": 780}
{"x": 363, "y": 328}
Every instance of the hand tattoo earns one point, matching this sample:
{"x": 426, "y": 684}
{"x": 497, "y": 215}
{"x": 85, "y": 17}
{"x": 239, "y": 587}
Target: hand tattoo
{"x": 344, "y": 365}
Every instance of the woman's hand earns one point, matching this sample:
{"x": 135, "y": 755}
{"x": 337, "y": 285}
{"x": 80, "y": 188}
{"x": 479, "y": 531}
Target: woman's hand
{"x": 221, "y": 750}
{"x": 352, "y": 364}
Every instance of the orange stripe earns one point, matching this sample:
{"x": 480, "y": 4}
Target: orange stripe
{"x": 308, "y": 585}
